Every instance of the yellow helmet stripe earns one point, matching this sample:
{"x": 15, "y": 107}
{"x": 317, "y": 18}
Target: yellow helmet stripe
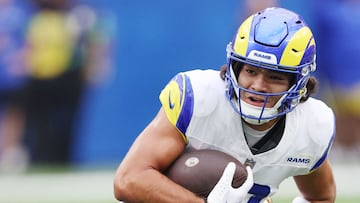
{"x": 242, "y": 37}
{"x": 296, "y": 47}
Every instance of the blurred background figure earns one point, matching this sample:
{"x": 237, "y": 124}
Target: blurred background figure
{"x": 337, "y": 28}
{"x": 13, "y": 21}
{"x": 65, "y": 50}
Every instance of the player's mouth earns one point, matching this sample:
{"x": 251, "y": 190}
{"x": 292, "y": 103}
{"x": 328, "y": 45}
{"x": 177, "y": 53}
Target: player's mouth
{"x": 255, "y": 100}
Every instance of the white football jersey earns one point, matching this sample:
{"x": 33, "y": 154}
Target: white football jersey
{"x": 196, "y": 105}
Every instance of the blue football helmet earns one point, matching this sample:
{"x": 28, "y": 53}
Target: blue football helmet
{"x": 276, "y": 39}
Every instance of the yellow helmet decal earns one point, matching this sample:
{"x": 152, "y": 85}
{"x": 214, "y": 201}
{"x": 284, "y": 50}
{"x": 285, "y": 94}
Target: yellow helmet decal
{"x": 296, "y": 47}
{"x": 242, "y": 37}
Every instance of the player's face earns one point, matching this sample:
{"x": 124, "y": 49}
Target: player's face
{"x": 264, "y": 81}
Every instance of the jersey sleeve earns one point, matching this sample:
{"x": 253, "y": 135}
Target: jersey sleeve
{"x": 325, "y": 154}
{"x": 177, "y": 99}
{"x": 330, "y": 142}
{"x": 324, "y": 122}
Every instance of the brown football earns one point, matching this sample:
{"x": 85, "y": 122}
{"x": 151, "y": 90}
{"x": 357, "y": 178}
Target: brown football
{"x": 200, "y": 170}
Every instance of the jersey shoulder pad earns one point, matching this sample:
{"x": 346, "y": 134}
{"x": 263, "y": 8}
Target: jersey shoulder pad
{"x": 319, "y": 120}
{"x": 177, "y": 100}
{"x": 208, "y": 89}
{"x": 191, "y": 93}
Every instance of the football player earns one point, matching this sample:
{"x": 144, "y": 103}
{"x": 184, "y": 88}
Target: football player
{"x": 259, "y": 110}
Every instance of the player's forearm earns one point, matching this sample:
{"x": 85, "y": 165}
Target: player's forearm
{"x": 319, "y": 196}
{"x": 319, "y": 186}
{"x": 330, "y": 198}
{"x": 151, "y": 186}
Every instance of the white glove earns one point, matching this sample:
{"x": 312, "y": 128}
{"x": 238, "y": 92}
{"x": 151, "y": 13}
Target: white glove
{"x": 223, "y": 192}
{"x": 299, "y": 200}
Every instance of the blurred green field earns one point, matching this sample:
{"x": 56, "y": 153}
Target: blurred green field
{"x": 63, "y": 185}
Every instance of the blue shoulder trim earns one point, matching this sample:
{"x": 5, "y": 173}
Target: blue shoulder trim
{"x": 187, "y": 103}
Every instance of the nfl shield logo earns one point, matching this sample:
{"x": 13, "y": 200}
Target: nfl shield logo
{"x": 250, "y": 162}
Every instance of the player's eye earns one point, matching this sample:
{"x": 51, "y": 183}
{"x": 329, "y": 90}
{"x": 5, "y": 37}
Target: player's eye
{"x": 277, "y": 77}
{"x": 250, "y": 70}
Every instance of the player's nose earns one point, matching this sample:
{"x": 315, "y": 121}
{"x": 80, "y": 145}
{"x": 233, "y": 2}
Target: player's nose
{"x": 259, "y": 84}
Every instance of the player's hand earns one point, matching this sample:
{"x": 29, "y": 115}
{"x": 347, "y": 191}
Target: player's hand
{"x": 223, "y": 192}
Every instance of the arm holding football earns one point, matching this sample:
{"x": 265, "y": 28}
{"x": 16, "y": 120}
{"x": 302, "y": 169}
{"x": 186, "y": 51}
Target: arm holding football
{"x": 139, "y": 178}
{"x": 223, "y": 190}
{"x": 319, "y": 185}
